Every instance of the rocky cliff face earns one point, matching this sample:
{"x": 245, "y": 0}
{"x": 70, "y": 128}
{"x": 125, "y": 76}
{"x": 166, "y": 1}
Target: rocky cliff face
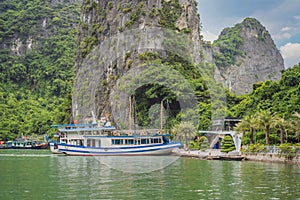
{"x": 246, "y": 54}
{"x": 115, "y": 37}
{"x": 118, "y": 36}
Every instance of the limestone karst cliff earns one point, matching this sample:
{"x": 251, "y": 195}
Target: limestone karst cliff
{"x": 246, "y": 54}
{"x": 243, "y": 55}
{"x": 123, "y": 35}
{"x": 37, "y": 43}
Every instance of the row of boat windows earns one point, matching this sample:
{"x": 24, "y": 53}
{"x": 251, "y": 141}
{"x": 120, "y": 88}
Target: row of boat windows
{"x": 97, "y": 142}
{"x": 136, "y": 141}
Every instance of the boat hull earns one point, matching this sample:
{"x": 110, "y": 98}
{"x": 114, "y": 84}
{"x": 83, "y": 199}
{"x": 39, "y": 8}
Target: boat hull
{"x": 162, "y": 149}
{"x": 54, "y": 148}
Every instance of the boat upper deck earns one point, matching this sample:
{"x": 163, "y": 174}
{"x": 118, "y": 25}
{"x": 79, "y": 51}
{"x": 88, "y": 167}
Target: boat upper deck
{"x": 95, "y": 129}
{"x": 82, "y": 127}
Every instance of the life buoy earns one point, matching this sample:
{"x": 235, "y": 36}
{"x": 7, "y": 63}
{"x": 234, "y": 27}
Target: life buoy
{"x": 116, "y": 134}
{"x": 129, "y": 134}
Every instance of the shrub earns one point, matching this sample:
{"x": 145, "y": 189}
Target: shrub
{"x": 227, "y": 144}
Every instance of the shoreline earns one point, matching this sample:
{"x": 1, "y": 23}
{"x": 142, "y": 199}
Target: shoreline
{"x": 216, "y": 154}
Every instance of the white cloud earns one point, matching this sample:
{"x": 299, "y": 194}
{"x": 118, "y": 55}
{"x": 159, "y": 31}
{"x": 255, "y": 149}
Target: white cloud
{"x": 297, "y": 17}
{"x": 209, "y": 36}
{"x": 290, "y": 50}
{"x": 286, "y": 28}
{"x": 282, "y": 36}
{"x": 291, "y": 54}
{"x": 280, "y": 17}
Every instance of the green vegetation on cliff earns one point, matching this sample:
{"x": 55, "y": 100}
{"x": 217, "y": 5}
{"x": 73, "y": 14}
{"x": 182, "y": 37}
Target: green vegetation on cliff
{"x": 230, "y": 41}
{"x": 282, "y": 97}
{"x": 38, "y": 44}
{"x": 272, "y": 106}
{"x": 37, "y": 40}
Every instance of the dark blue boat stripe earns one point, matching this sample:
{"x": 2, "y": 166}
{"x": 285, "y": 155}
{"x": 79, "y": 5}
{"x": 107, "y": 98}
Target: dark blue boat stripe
{"x": 118, "y": 152}
{"x": 131, "y": 147}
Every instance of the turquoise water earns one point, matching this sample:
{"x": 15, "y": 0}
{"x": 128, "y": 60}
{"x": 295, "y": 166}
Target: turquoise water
{"x": 36, "y": 175}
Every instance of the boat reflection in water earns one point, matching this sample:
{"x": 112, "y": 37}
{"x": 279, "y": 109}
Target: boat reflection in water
{"x": 137, "y": 164}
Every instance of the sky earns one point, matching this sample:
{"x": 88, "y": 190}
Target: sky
{"x": 280, "y": 17}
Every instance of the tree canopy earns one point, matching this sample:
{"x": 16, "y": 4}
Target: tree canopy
{"x": 38, "y": 43}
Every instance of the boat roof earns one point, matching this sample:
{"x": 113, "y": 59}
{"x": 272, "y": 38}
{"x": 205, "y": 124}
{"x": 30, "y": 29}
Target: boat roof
{"x": 81, "y": 127}
{"x": 101, "y": 128}
{"x": 71, "y": 125}
{"x": 126, "y": 136}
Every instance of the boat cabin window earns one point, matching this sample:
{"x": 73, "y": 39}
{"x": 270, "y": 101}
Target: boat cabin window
{"x": 117, "y": 141}
{"x": 145, "y": 141}
{"x": 64, "y": 141}
{"x": 88, "y": 142}
{"x": 129, "y": 141}
{"x": 155, "y": 140}
{"x": 93, "y": 143}
{"x": 136, "y": 141}
{"x": 76, "y": 142}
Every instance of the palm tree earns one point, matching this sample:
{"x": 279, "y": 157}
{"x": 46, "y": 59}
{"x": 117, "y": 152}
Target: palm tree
{"x": 188, "y": 130}
{"x": 248, "y": 123}
{"x": 282, "y": 124}
{"x": 252, "y": 125}
{"x": 242, "y": 126}
{"x": 266, "y": 120}
{"x": 174, "y": 131}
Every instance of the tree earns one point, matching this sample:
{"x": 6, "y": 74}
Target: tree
{"x": 295, "y": 125}
{"x": 282, "y": 124}
{"x": 188, "y": 130}
{"x": 265, "y": 120}
{"x": 227, "y": 144}
{"x": 200, "y": 143}
{"x": 37, "y": 80}
{"x": 204, "y": 144}
{"x": 248, "y": 123}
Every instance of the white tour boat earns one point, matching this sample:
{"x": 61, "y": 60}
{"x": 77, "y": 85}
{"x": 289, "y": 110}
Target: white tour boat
{"x": 102, "y": 139}
{"x": 95, "y": 140}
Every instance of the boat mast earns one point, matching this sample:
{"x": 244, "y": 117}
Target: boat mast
{"x": 94, "y": 118}
{"x": 130, "y": 114}
{"x": 161, "y": 115}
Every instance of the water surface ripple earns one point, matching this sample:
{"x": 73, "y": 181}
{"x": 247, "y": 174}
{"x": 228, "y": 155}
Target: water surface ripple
{"x": 48, "y": 176}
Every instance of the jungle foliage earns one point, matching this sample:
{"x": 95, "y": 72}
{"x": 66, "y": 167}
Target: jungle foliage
{"x": 36, "y": 81}
{"x": 37, "y": 40}
{"x": 270, "y": 114}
